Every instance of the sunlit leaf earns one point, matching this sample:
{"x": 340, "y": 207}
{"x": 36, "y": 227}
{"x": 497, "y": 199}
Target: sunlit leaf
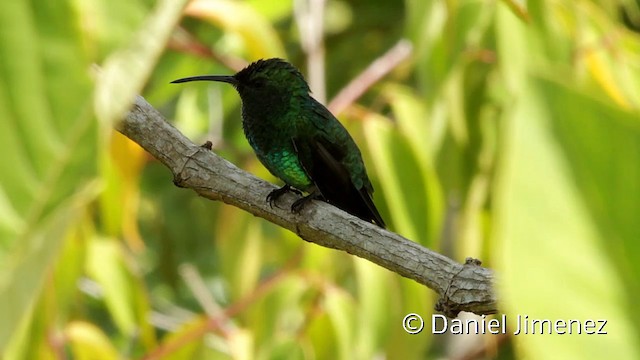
{"x": 602, "y": 146}
{"x": 106, "y": 265}
{"x": 50, "y": 141}
{"x": 395, "y": 165}
{"x": 240, "y": 260}
{"x": 549, "y": 247}
{"x": 273, "y": 10}
{"x": 421, "y": 134}
{"x": 374, "y": 302}
{"x": 88, "y": 342}
{"x": 602, "y": 74}
{"x": 125, "y": 71}
{"x": 120, "y": 199}
{"x": 340, "y": 308}
{"x": 237, "y": 17}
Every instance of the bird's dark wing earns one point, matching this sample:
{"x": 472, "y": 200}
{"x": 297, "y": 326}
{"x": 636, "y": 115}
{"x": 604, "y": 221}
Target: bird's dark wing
{"x": 323, "y": 161}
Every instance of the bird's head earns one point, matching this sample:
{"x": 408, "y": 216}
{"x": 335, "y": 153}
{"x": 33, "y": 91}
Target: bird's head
{"x": 268, "y": 80}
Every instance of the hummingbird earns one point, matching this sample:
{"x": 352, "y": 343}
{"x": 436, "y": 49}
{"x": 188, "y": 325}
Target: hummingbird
{"x": 298, "y": 140}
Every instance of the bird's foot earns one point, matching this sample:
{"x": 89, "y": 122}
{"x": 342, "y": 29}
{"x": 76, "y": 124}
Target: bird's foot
{"x": 300, "y": 203}
{"x": 277, "y": 193}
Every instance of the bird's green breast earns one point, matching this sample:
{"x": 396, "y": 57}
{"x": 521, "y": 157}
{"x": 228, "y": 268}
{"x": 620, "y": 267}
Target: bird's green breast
{"x": 284, "y": 164}
{"x": 271, "y": 141}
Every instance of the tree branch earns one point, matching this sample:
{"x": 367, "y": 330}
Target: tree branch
{"x": 462, "y": 287}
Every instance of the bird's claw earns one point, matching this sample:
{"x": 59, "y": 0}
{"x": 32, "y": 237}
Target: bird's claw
{"x": 297, "y": 205}
{"x": 274, "y": 195}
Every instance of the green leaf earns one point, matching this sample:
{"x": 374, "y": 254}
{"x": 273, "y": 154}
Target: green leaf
{"x": 234, "y": 17}
{"x": 124, "y": 295}
{"x": 125, "y": 71}
{"x": 549, "y": 247}
{"x": 105, "y": 265}
{"x": 50, "y": 142}
{"x": 373, "y": 322}
{"x": 340, "y": 308}
{"x": 87, "y": 342}
{"x": 395, "y": 164}
{"x": 415, "y": 125}
{"x": 602, "y": 145}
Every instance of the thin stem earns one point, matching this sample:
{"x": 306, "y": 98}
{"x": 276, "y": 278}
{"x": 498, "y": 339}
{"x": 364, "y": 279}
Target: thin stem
{"x": 309, "y": 15}
{"x": 372, "y": 74}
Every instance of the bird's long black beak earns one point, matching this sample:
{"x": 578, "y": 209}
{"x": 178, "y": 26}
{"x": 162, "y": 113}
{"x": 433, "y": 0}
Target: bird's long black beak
{"x": 219, "y": 78}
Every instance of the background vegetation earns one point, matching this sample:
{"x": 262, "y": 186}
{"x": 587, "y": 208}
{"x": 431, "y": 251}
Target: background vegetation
{"x": 510, "y": 134}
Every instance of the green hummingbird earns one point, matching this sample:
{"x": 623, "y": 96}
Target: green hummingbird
{"x": 298, "y": 140}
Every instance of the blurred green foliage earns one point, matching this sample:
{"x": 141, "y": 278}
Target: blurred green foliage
{"x": 510, "y": 134}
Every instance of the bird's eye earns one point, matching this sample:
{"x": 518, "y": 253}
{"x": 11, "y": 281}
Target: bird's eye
{"x": 259, "y": 83}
